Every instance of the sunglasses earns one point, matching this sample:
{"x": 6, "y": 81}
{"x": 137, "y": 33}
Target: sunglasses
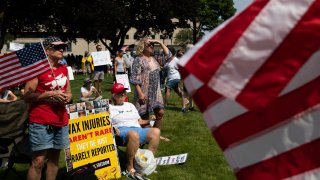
{"x": 121, "y": 94}
{"x": 150, "y": 45}
{"x": 58, "y": 47}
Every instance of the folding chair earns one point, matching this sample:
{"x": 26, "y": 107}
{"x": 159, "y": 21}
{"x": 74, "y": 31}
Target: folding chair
{"x": 14, "y": 144}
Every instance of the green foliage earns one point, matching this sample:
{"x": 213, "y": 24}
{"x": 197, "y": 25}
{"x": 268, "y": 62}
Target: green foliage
{"x": 183, "y": 36}
{"x": 188, "y": 134}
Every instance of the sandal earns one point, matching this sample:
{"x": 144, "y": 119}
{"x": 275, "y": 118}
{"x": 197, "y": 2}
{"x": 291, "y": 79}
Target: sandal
{"x": 164, "y": 139}
{"x": 132, "y": 174}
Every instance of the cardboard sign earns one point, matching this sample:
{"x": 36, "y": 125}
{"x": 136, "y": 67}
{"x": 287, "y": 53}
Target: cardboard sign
{"x": 101, "y": 58}
{"x": 91, "y": 141}
{"x": 176, "y": 159}
{"x": 123, "y": 79}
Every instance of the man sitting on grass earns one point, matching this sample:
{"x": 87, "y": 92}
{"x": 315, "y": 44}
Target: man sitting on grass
{"x": 126, "y": 121}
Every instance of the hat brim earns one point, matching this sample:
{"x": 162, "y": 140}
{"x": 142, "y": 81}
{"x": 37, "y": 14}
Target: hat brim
{"x": 59, "y": 43}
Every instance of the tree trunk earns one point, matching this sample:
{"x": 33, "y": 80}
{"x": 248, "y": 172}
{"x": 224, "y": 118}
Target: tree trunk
{"x": 2, "y": 29}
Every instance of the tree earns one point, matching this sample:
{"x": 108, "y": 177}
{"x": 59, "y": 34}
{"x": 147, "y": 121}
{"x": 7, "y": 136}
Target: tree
{"x": 183, "y": 36}
{"x": 99, "y": 20}
{"x": 202, "y": 15}
{"x": 18, "y": 17}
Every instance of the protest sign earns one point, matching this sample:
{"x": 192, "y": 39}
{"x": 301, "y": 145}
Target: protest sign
{"x": 101, "y": 58}
{"x": 123, "y": 79}
{"x": 91, "y": 141}
{"x": 169, "y": 160}
{"x": 70, "y": 73}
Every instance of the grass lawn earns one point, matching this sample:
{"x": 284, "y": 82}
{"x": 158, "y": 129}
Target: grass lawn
{"x": 188, "y": 134}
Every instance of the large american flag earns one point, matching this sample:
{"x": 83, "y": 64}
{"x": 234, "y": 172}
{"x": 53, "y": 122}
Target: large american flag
{"x": 256, "y": 80}
{"x": 22, "y": 65}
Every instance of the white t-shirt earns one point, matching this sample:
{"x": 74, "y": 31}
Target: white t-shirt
{"x": 124, "y": 115}
{"x": 85, "y": 90}
{"x": 172, "y": 69}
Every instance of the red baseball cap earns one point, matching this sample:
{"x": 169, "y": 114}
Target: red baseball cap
{"x": 118, "y": 88}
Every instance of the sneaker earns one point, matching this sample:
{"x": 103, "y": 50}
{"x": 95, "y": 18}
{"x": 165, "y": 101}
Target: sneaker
{"x": 183, "y": 110}
{"x": 132, "y": 174}
{"x": 191, "y": 109}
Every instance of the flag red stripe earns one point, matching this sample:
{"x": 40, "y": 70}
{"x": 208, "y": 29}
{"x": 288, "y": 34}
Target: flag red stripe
{"x": 10, "y": 68}
{"x": 293, "y": 162}
{"x": 219, "y": 46}
{"x": 21, "y": 69}
{"x": 8, "y": 63}
{"x": 4, "y": 59}
{"x": 204, "y": 97}
{"x": 251, "y": 123}
{"x": 29, "y": 76}
{"x": 289, "y": 57}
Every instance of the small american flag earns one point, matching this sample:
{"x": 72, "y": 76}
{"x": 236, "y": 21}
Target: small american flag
{"x": 22, "y": 65}
{"x": 256, "y": 80}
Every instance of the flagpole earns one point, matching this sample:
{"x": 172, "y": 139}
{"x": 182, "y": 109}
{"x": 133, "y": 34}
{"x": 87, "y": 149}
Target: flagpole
{"x": 48, "y": 61}
{"x": 52, "y": 73}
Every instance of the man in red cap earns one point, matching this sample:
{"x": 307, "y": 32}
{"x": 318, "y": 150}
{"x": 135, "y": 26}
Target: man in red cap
{"x": 127, "y": 123}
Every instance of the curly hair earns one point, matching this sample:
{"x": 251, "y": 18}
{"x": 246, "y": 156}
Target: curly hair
{"x": 141, "y": 46}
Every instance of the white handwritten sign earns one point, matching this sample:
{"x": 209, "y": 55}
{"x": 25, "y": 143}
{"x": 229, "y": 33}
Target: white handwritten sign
{"x": 123, "y": 79}
{"x": 176, "y": 159}
{"x": 101, "y": 58}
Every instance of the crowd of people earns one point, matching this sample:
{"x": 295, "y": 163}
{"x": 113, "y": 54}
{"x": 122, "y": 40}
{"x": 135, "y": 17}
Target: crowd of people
{"x": 151, "y": 76}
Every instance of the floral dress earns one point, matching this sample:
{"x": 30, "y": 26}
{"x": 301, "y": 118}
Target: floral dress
{"x": 147, "y": 74}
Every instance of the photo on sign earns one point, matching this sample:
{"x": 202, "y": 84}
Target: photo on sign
{"x": 89, "y": 112}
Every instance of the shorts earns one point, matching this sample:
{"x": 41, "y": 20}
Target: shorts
{"x": 141, "y": 131}
{"x": 98, "y": 75}
{"x": 41, "y": 137}
{"x": 87, "y": 69}
{"x": 173, "y": 84}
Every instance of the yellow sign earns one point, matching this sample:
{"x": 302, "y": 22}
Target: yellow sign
{"x": 91, "y": 141}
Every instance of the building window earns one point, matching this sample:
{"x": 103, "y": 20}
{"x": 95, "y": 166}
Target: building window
{"x": 127, "y": 36}
{"x": 153, "y": 36}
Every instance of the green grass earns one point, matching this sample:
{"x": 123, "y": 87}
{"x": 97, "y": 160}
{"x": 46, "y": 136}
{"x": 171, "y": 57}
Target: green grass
{"x": 188, "y": 134}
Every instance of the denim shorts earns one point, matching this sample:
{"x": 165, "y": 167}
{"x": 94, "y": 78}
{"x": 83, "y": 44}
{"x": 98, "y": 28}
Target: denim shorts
{"x": 43, "y": 137}
{"x": 173, "y": 84}
{"x": 141, "y": 131}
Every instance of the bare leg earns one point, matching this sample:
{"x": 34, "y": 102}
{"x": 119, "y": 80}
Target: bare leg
{"x": 34, "y": 172}
{"x": 96, "y": 84}
{"x": 159, "y": 117}
{"x": 52, "y": 164}
{"x": 100, "y": 86}
{"x": 180, "y": 93}
{"x": 167, "y": 96}
{"x": 132, "y": 147}
{"x": 153, "y": 137}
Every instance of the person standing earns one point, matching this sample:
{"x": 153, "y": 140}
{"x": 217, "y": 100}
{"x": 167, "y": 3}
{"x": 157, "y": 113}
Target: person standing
{"x": 48, "y": 94}
{"x": 119, "y": 63}
{"x": 173, "y": 80}
{"x": 87, "y": 65}
{"x": 98, "y": 74}
{"x": 128, "y": 59}
{"x": 146, "y": 79}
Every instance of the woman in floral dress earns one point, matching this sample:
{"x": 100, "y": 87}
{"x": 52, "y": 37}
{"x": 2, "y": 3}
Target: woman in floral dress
{"x": 146, "y": 79}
